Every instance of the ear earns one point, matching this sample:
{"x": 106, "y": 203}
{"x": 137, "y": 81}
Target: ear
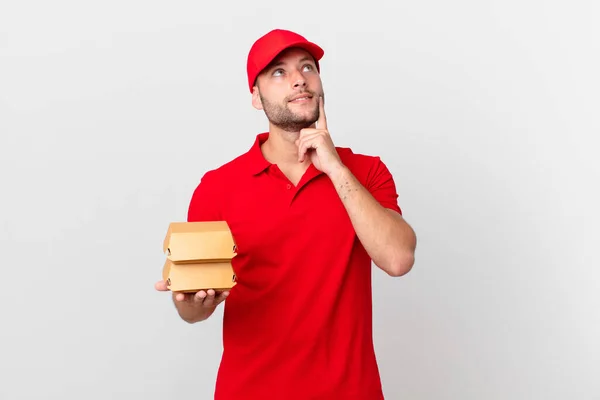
{"x": 256, "y": 102}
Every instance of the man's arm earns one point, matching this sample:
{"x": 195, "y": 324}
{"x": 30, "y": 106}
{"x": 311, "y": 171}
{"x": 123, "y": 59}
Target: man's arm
{"x": 204, "y": 206}
{"x": 386, "y": 236}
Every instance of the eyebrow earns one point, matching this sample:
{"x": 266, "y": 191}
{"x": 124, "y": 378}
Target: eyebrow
{"x": 280, "y": 63}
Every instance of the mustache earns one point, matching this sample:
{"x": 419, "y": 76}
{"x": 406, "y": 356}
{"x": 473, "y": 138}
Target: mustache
{"x": 306, "y": 92}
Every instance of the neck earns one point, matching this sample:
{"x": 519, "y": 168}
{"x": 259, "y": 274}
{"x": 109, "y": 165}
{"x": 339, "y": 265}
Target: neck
{"x": 280, "y": 148}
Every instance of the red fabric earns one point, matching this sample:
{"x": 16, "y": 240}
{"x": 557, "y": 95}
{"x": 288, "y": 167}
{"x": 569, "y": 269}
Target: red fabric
{"x": 298, "y": 324}
{"x": 268, "y": 46}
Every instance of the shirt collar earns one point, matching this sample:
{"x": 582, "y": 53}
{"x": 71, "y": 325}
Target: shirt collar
{"x": 255, "y": 160}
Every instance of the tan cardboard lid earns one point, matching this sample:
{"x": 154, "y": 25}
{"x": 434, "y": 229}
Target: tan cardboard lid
{"x": 206, "y": 241}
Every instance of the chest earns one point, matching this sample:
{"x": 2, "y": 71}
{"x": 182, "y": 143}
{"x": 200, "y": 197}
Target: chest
{"x": 293, "y": 174}
{"x": 277, "y": 225}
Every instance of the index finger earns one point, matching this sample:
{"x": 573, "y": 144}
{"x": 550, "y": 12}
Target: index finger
{"x": 322, "y": 121}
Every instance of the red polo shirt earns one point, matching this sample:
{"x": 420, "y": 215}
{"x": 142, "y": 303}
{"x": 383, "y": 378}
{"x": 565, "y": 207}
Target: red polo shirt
{"x": 298, "y": 324}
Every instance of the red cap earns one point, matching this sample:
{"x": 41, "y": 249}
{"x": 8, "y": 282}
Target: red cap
{"x": 267, "y": 47}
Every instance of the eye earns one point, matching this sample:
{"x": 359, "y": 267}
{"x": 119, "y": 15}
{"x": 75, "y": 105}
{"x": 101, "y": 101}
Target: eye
{"x": 278, "y": 72}
{"x": 308, "y": 67}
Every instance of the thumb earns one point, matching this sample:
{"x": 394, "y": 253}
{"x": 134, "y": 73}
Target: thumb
{"x": 161, "y": 286}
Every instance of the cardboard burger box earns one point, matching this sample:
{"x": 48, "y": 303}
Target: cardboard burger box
{"x": 198, "y": 256}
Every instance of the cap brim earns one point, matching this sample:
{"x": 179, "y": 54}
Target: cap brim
{"x": 315, "y": 50}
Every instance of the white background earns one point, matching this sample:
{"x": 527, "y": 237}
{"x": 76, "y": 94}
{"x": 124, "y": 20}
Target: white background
{"x": 485, "y": 111}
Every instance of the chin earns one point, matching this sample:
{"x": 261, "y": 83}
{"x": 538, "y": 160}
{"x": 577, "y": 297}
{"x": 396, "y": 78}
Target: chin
{"x": 306, "y": 122}
{"x": 309, "y": 118}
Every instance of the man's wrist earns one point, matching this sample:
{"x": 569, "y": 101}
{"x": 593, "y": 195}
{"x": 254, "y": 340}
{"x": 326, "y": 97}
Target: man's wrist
{"x": 338, "y": 173}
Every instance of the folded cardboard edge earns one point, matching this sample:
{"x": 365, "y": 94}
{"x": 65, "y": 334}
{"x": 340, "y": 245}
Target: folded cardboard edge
{"x": 201, "y": 248}
{"x": 200, "y": 261}
{"x": 196, "y": 227}
{"x": 166, "y": 277}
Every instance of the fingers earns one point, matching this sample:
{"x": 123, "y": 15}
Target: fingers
{"x": 307, "y": 136}
{"x": 202, "y": 298}
{"x": 322, "y": 121}
{"x": 213, "y": 299}
{"x": 305, "y": 143}
{"x": 178, "y": 296}
{"x": 189, "y": 297}
{"x": 202, "y": 295}
{"x": 222, "y": 296}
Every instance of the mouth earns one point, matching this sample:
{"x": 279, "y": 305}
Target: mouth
{"x": 303, "y": 98}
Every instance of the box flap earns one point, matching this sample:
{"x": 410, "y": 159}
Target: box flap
{"x": 202, "y": 276}
{"x": 199, "y": 241}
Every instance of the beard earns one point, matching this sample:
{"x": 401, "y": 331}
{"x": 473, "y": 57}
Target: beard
{"x": 283, "y": 117}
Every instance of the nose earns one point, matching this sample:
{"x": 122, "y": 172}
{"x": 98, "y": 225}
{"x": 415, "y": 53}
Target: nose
{"x": 298, "y": 80}
{"x": 300, "y": 83}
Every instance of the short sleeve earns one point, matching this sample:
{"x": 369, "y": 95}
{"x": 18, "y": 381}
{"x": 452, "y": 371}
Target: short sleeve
{"x": 205, "y": 204}
{"x": 382, "y": 186}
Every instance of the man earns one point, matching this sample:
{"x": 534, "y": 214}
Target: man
{"x": 308, "y": 218}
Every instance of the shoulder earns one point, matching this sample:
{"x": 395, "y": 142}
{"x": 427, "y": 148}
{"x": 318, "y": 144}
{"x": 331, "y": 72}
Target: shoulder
{"x": 229, "y": 169}
{"x": 211, "y": 191}
{"x": 364, "y": 166}
{"x": 350, "y": 156}
{"x": 374, "y": 175}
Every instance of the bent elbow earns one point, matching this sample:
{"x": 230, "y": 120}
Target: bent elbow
{"x": 402, "y": 265}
